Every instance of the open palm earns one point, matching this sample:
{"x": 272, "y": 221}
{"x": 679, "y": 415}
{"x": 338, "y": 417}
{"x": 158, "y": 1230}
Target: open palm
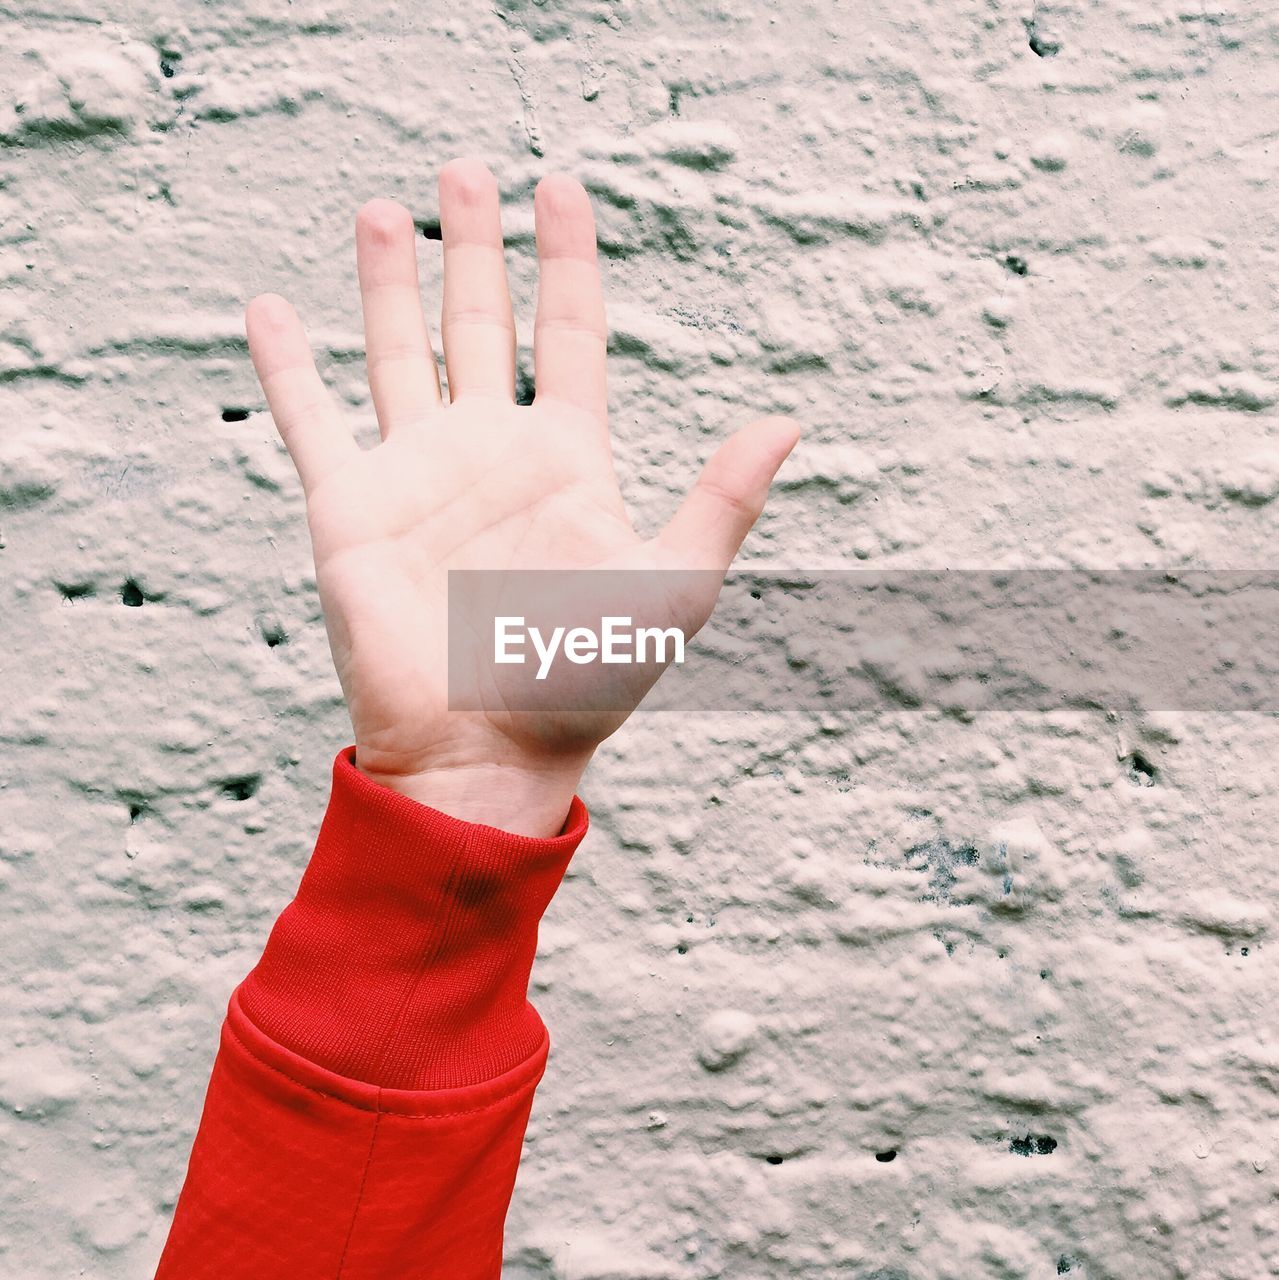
{"x": 477, "y": 482}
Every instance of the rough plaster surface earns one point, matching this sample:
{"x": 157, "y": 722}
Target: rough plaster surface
{"x": 1015, "y": 269}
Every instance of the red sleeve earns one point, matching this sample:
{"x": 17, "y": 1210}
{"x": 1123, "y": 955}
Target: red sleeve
{"x": 376, "y": 1069}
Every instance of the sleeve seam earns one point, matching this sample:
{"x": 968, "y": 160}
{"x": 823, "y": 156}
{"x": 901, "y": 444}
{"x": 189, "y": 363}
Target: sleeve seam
{"x": 378, "y": 1109}
{"x": 359, "y": 1195}
{"x": 406, "y": 996}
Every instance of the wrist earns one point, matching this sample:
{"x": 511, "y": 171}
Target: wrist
{"x": 528, "y": 797}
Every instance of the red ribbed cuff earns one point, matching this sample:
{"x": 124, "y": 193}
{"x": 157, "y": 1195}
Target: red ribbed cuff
{"x": 404, "y": 959}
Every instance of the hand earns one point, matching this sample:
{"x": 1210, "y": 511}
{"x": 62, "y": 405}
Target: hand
{"x": 478, "y": 482}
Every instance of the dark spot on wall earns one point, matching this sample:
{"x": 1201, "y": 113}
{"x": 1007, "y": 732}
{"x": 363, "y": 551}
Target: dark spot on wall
{"x": 231, "y": 414}
{"x": 1141, "y": 772}
{"x": 1064, "y": 1265}
{"x": 1245, "y": 401}
{"x": 243, "y": 787}
{"x": 1243, "y": 951}
{"x": 136, "y": 810}
{"x": 132, "y": 594}
{"x": 672, "y": 100}
{"x": 940, "y": 857}
{"x": 755, "y": 595}
{"x": 1033, "y": 1145}
{"x": 167, "y": 68}
{"x": 75, "y": 590}
{"x": 886, "y": 1157}
{"x": 1040, "y": 45}
{"x": 524, "y": 388}
{"x": 273, "y": 632}
{"x": 614, "y": 250}
{"x": 796, "y": 362}
{"x": 681, "y": 950}
{"x": 774, "y": 1159}
{"x": 1017, "y": 265}
{"x": 430, "y": 228}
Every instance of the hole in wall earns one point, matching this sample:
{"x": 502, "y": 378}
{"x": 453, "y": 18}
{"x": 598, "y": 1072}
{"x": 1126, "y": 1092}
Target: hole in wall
{"x": 1033, "y": 1144}
{"x": 243, "y": 787}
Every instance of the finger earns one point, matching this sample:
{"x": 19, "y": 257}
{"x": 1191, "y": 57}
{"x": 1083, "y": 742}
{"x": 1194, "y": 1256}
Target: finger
{"x": 477, "y": 325}
{"x": 570, "y": 337}
{"x": 714, "y": 519}
{"x": 403, "y": 376}
{"x": 305, "y": 415}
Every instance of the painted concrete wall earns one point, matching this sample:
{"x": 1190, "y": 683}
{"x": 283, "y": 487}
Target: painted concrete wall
{"x": 1015, "y": 269}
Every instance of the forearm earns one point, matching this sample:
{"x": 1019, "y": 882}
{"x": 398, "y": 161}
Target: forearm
{"x": 377, "y": 1067}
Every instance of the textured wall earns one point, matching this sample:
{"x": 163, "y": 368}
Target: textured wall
{"x": 1014, "y": 268}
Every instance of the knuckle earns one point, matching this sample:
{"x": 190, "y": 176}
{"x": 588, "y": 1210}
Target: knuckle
{"x": 729, "y": 498}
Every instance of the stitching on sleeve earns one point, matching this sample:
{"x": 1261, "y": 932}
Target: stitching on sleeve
{"x": 377, "y": 1108}
{"x": 456, "y": 871}
{"x": 359, "y": 1195}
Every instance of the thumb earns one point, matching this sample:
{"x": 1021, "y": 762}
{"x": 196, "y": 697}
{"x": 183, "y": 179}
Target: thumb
{"x": 719, "y": 510}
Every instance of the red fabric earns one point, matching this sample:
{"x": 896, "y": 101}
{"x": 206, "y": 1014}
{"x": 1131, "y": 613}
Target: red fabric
{"x": 376, "y": 1070}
